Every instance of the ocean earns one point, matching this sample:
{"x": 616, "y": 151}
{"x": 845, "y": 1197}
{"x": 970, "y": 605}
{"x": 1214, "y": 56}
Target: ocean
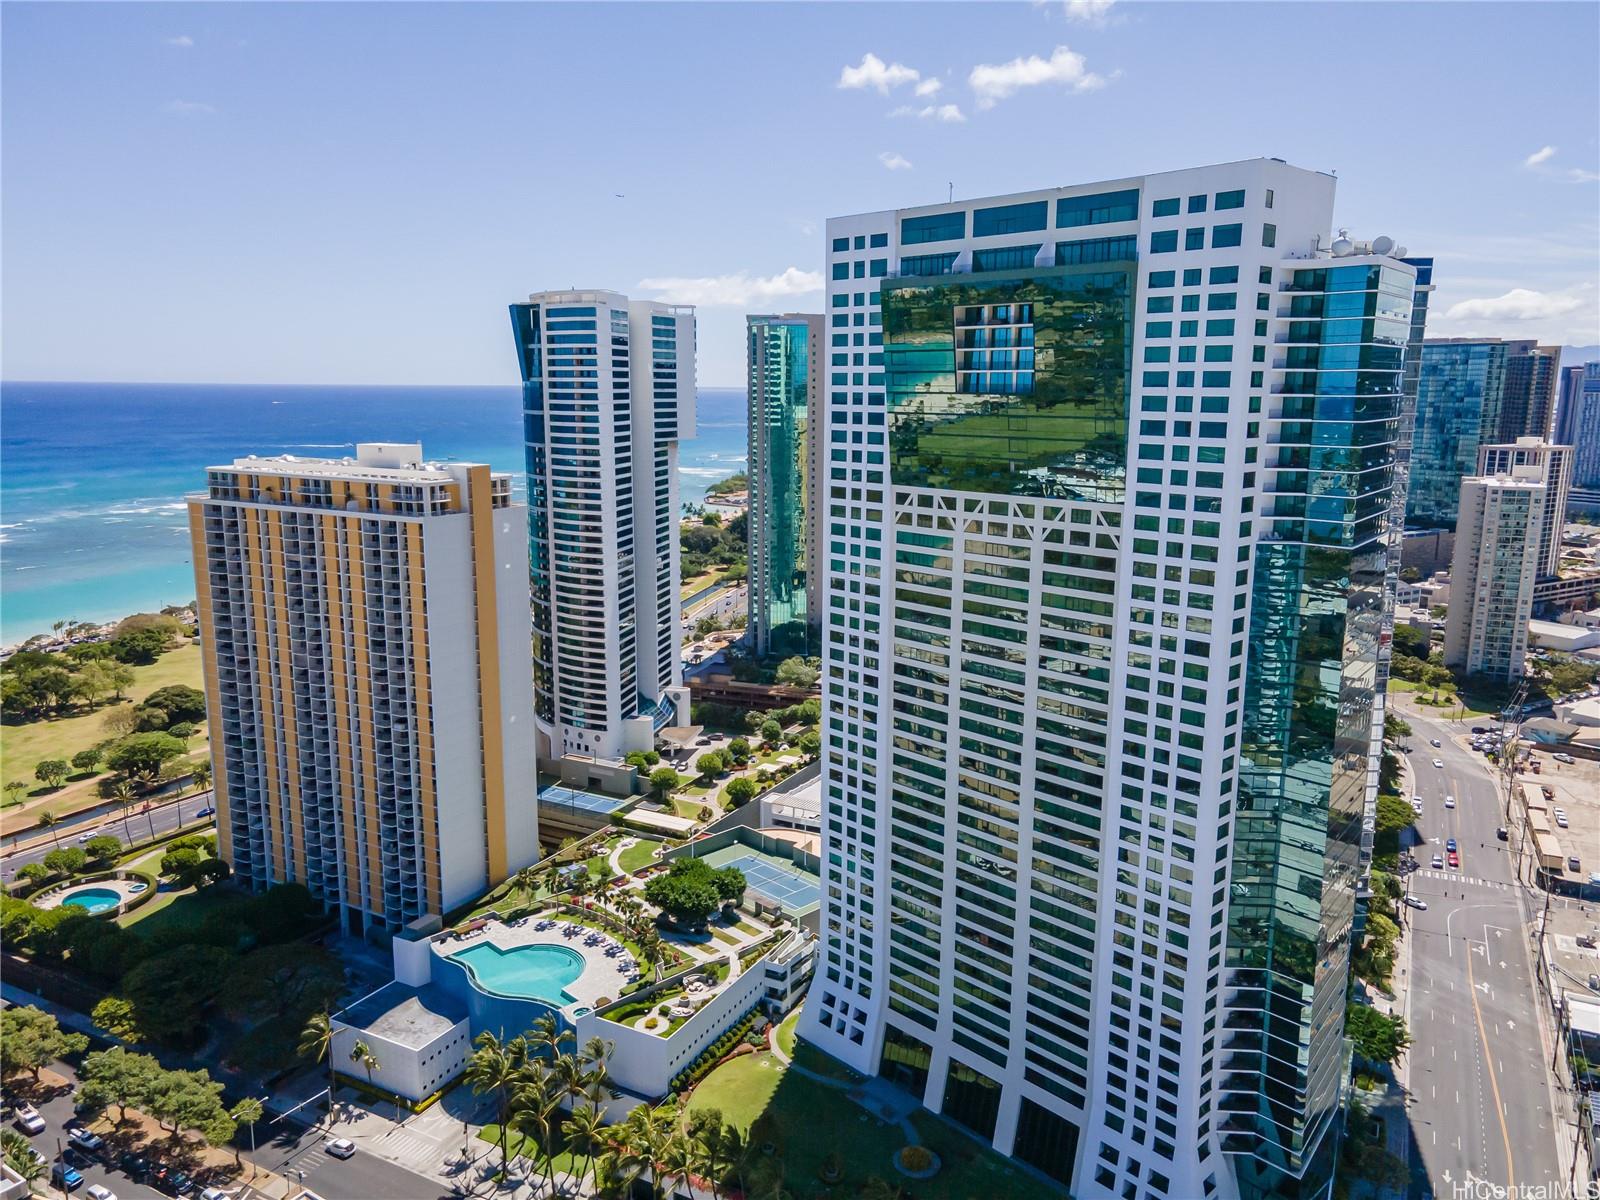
{"x": 93, "y": 475}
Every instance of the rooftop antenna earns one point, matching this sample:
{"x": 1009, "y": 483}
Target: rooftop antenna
{"x": 950, "y": 199}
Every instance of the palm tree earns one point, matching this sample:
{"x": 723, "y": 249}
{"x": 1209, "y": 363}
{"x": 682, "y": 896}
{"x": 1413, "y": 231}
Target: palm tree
{"x": 679, "y": 1156}
{"x": 497, "y": 1067}
{"x": 526, "y": 883}
{"x": 316, "y": 1043}
{"x": 547, "y": 1033}
{"x": 582, "y": 1130}
{"x": 362, "y": 1054}
{"x": 595, "y": 1055}
{"x": 569, "y": 1077}
{"x": 653, "y": 950}
{"x": 534, "y": 1108}
{"x": 736, "y": 1152}
{"x": 645, "y": 1135}
{"x": 708, "y": 1139}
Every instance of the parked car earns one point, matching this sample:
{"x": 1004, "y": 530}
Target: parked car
{"x": 1438, "y": 862}
{"x": 85, "y": 1139}
{"x": 1587, "y": 941}
{"x": 1573, "y": 864}
{"x": 1563, "y": 758}
{"x": 1455, "y": 859}
{"x": 65, "y": 1176}
{"x": 174, "y": 1181}
{"x": 339, "y": 1147}
{"x": 1503, "y": 834}
{"x": 1561, "y": 820}
{"x": 28, "y": 1119}
{"x": 1479, "y": 729}
{"x": 1416, "y": 902}
{"x": 1450, "y": 844}
{"x": 1439, "y": 762}
{"x": 215, "y": 1193}
{"x": 134, "y": 1165}
{"x": 97, "y": 1191}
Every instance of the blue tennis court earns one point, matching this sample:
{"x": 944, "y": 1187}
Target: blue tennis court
{"x": 568, "y": 797}
{"x": 785, "y": 885}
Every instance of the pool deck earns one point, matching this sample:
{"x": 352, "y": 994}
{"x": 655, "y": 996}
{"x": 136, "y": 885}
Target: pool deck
{"x": 122, "y": 887}
{"x": 603, "y": 974}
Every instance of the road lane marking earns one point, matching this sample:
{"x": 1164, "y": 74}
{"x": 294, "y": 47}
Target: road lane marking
{"x": 1494, "y": 1083}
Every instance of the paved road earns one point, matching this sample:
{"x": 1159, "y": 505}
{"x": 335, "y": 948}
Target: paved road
{"x": 1482, "y": 1099}
{"x": 137, "y": 827}
{"x": 725, "y": 603}
{"x": 290, "y": 1150}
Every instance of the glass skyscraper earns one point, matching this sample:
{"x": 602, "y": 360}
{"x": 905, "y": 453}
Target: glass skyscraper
{"x": 1459, "y": 397}
{"x": 1109, "y": 487}
{"x": 785, "y": 365}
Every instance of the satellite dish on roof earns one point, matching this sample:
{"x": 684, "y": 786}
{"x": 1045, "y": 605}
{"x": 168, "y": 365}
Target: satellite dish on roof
{"x": 1342, "y": 246}
{"x": 1399, "y": 251}
{"x": 1382, "y": 244}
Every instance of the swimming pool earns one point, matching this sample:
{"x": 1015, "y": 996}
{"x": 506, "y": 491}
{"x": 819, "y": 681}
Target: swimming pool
{"x": 539, "y": 972}
{"x": 94, "y": 899}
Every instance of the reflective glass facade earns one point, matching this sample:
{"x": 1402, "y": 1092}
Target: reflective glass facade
{"x": 1014, "y": 383}
{"x": 1459, "y": 395}
{"x": 1316, "y": 623}
{"x": 782, "y": 422}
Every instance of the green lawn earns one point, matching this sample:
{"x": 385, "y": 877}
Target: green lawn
{"x": 517, "y": 1144}
{"x": 786, "y": 1032}
{"x": 806, "y": 1120}
{"x": 180, "y": 910}
{"x": 23, "y": 747}
{"x": 637, "y": 856}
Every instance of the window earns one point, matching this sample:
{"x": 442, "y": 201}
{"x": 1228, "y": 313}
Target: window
{"x": 880, "y": 267}
{"x": 1264, "y": 275}
{"x": 1269, "y": 197}
{"x": 1162, "y": 279}
{"x": 1097, "y": 209}
{"x": 879, "y": 240}
{"x": 1005, "y": 258}
{"x": 1010, "y": 218}
{"x": 841, "y": 270}
{"x": 940, "y": 227}
{"x": 1195, "y": 239}
{"x": 1097, "y": 250}
{"x": 927, "y": 264}
{"x": 1223, "y": 275}
{"x": 1165, "y": 208}
{"x": 1158, "y": 304}
{"x": 840, "y": 244}
{"x": 861, "y": 242}
{"x": 1220, "y": 328}
{"x": 1197, "y": 204}
{"x": 1191, "y": 277}
{"x": 1219, "y": 353}
{"x": 1157, "y": 329}
{"x": 1230, "y": 200}
{"x": 1162, "y": 242}
{"x": 1222, "y": 302}
{"x": 1226, "y": 235}
{"x": 1269, "y": 235}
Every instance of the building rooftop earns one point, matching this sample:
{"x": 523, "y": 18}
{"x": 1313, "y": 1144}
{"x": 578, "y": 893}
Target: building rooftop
{"x": 374, "y": 462}
{"x": 408, "y": 1016}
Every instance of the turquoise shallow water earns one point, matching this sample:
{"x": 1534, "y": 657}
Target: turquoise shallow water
{"x": 524, "y": 972}
{"x": 93, "y": 475}
{"x": 94, "y": 899}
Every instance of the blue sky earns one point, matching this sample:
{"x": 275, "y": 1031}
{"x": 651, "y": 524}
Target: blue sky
{"x": 353, "y": 192}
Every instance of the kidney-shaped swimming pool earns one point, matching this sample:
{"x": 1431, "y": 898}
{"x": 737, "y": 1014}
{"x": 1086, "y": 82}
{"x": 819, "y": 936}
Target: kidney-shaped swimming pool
{"x": 538, "y": 972}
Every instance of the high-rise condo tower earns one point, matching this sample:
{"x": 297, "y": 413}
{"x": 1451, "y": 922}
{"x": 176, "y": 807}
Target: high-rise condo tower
{"x": 1108, "y": 486}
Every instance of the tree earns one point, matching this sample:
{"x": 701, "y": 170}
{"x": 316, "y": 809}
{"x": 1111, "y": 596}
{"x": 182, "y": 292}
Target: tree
{"x": 171, "y": 990}
{"x": 52, "y": 772}
{"x": 121, "y": 677}
{"x": 741, "y": 791}
{"x": 291, "y": 978}
{"x": 664, "y": 780}
{"x": 1396, "y": 729}
{"x": 87, "y": 760}
{"x": 361, "y": 1054}
{"x": 496, "y": 1066}
{"x": 201, "y": 774}
{"x": 771, "y": 731}
{"x": 711, "y": 764}
{"x": 247, "y": 1112}
{"x": 1410, "y": 640}
{"x": 316, "y": 1043}
{"x": 140, "y": 647}
{"x": 116, "y": 1016}
{"x": 1378, "y": 1037}
{"x": 20, "y": 1156}
{"x": 68, "y": 860}
{"x": 584, "y": 1131}
{"x": 120, "y": 722}
{"x": 182, "y": 1100}
{"x": 535, "y": 1113}
{"x": 179, "y": 702}
{"x": 142, "y": 755}
{"x": 739, "y": 749}
{"x": 690, "y": 890}
{"x": 119, "y": 1076}
{"x": 102, "y": 848}
{"x": 797, "y": 672}
{"x": 31, "y": 1038}
{"x": 15, "y": 790}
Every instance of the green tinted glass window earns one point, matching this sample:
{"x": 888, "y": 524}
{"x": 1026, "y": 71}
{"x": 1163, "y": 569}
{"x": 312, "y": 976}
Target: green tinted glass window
{"x": 1165, "y": 208}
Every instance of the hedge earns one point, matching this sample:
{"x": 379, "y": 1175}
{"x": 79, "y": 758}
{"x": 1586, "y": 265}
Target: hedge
{"x": 713, "y": 1054}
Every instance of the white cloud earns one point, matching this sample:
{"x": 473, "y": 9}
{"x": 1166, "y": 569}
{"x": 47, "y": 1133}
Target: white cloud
{"x": 931, "y": 112}
{"x": 736, "y": 290}
{"x": 1579, "y": 175}
{"x": 188, "y": 108}
{"x": 1519, "y": 304}
{"x": 875, "y": 73}
{"x": 1065, "y": 68}
{"x": 894, "y": 162}
{"x": 183, "y": 41}
{"x": 1089, "y": 12}
{"x": 929, "y": 86}
{"x": 1539, "y": 156}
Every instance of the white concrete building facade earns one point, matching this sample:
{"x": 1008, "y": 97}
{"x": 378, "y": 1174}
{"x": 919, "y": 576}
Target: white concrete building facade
{"x": 1099, "y": 489}
{"x": 1497, "y": 560}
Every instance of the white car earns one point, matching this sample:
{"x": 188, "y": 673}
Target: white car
{"x": 28, "y": 1119}
{"x": 1439, "y": 762}
{"x": 1435, "y": 743}
{"x": 1416, "y": 902}
{"x": 96, "y": 1192}
{"x": 1563, "y": 758}
{"x": 1449, "y": 801}
{"x": 1416, "y": 801}
{"x": 211, "y": 1194}
{"x": 1561, "y": 820}
{"x": 339, "y": 1147}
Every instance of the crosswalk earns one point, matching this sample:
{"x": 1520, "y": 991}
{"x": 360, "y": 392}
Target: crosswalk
{"x": 1454, "y": 877}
